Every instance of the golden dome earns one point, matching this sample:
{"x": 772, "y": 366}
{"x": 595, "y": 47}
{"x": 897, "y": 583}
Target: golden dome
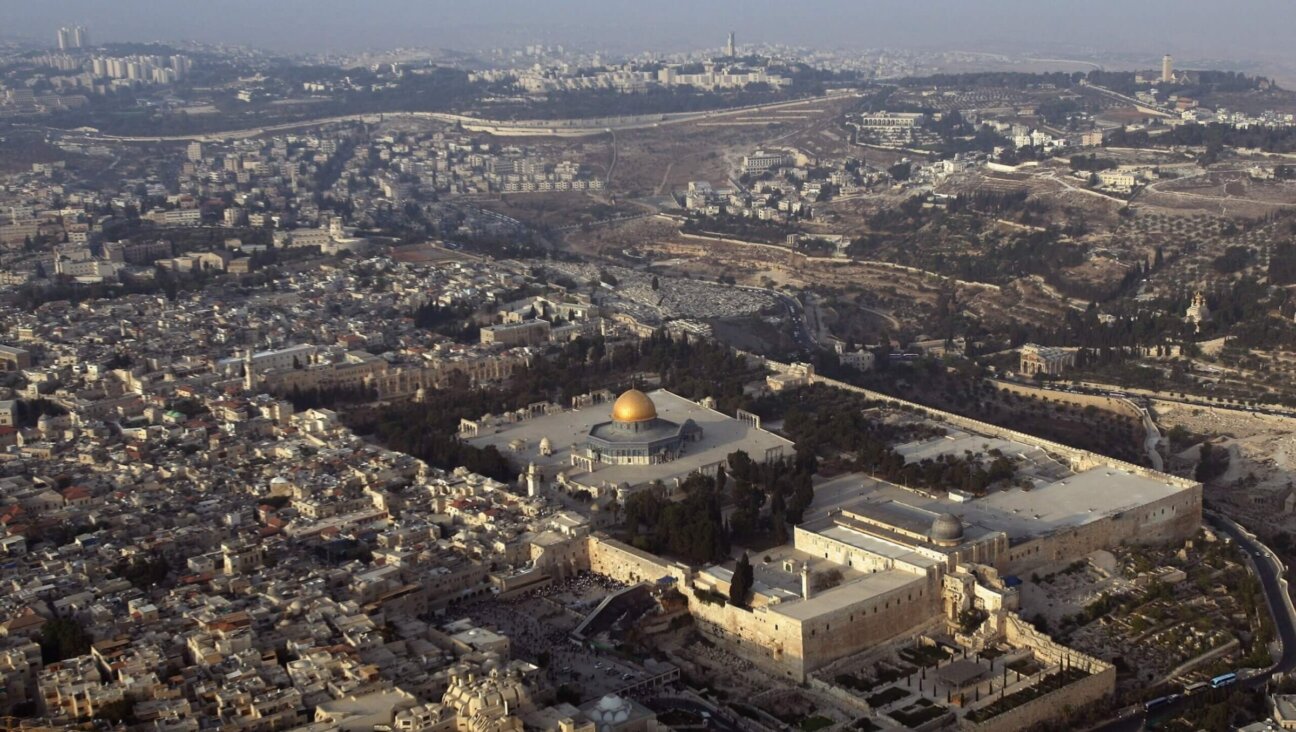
{"x": 633, "y": 406}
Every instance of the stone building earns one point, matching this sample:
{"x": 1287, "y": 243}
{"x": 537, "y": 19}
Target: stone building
{"x": 14, "y": 359}
{"x": 1199, "y": 312}
{"x": 908, "y": 560}
{"x": 1048, "y": 360}
{"x": 526, "y": 333}
{"x": 636, "y": 435}
{"x": 901, "y": 560}
{"x": 650, "y": 437}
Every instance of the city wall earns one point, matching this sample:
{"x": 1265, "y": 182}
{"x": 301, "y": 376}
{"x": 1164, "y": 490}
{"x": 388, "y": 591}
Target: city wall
{"x": 1079, "y": 460}
{"x": 794, "y": 647}
{"x": 1175, "y": 517}
{"x": 870, "y": 622}
{"x": 750, "y": 634}
{"x": 624, "y": 563}
{"x": 1076, "y": 695}
{"x": 1089, "y": 690}
{"x": 1184, "y": 668}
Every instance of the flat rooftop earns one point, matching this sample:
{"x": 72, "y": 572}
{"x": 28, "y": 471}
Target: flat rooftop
{"x": 849, "y": 594}
{"x": 875, "y": 545}
{"x": 1073, "y": 501}
{"x": 1031, "y": 461}
{"x": 780, "y": 577}
{"x": 721, "y": 435}
{"x": 783, "y": 570}
{"x": 1048, "y": 507}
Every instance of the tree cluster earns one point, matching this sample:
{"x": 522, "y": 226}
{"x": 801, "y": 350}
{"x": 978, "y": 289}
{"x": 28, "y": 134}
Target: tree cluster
{"x": 691, "y": 529}
{"x": 1213, "y": 463}
{"x": 144, "y": 572}
{"x": 63, "y": 638}
{"x": 454, "y": 321}
{"x": 740, "y": 588}
{"x": 1092, "y": 163}
{"x": 428, "y": 430}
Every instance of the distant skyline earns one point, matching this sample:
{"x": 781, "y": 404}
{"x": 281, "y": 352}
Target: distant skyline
{"x": 1242, "y": 29}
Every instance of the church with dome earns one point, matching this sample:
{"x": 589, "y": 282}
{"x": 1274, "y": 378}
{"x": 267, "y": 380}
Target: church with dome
{"x": 636, "y": 435}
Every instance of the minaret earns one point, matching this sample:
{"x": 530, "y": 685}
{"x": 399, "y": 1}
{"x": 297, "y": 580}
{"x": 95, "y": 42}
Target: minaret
{"x": 249, "y": 379}
{"x": 805, "y": 580}
{"x": 729, "y": 47}
{"x": 533, "y": 479}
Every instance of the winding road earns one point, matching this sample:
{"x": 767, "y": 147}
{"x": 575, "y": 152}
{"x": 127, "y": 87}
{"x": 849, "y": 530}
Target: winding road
{"x": 1269, "y": 570}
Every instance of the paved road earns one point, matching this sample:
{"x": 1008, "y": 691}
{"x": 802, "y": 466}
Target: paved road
{"x": 1153, "y": 436}
{"x": 607, "y": 180}
{"x": 796, "y": 314}
{"x": 1269, "y": 570}
{"x": 1087, "y": 387}
{"x": 543, "y": 128}
{"x": 1130, "y": 100}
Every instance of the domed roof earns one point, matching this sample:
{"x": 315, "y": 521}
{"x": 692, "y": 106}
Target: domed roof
{"x": 633, "y": 406}
{"x": 610, "y": 711}
{"x": 468, "y": 696}
{"x": 611, "y": 703}
{"x": 946, "y": 527}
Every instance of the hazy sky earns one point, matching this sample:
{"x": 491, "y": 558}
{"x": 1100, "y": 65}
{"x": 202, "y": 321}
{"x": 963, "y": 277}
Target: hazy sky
{"x": 1240, "y": 29}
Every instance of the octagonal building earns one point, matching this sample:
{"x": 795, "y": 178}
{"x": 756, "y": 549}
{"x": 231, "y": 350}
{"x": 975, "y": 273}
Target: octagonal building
{"x": 636, "y": 435}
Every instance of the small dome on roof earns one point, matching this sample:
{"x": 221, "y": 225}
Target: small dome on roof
{"x": 946, "y": 528}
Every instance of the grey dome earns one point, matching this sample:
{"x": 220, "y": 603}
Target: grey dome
{"x": 946, "y": 527}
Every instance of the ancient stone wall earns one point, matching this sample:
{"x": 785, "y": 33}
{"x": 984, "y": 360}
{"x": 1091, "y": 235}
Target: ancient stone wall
{"x": 1175, "y": 517}
{"x": 757, "y": 635}
{"x": 624, "y": 563}
{"x": 1079, "y": 460}
{"x": 793, "y": 647}
{"x": 855, "y": 627}
{"x": 1100, "y": 683}
{"x": 851, "y": 556}
{"x": 1076, "y": 695}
